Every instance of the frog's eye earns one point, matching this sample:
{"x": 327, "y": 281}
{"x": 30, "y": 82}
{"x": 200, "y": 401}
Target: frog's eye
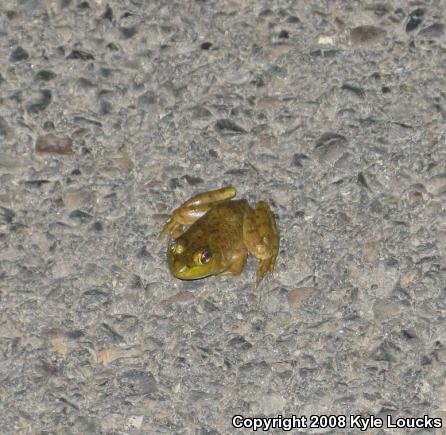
{"x": 176, "y": 247}
{"x": 203, "y": 257}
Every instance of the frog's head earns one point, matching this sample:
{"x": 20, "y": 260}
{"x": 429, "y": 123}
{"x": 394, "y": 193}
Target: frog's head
{"x": 191, "y": 262}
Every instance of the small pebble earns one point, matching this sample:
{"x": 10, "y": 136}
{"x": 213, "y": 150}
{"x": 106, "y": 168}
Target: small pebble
{"x": 297, "y": 296}
{"x": 18, "y": 54}
{"x": 52, "y": 144}
{"x": 415, "y": 19}
{"x": 206, "y": 45}
{"x": 366, "y": 34}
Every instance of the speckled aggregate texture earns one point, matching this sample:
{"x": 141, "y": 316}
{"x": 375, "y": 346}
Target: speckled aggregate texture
{"x": 114, "y": 112}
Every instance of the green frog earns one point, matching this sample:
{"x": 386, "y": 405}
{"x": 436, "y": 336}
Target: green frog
{"x": 212, "y": 234}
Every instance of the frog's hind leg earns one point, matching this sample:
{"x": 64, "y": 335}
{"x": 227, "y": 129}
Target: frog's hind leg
{"x": 193, "y": 209}
{"x": 212, "y": 197}
{"x": 261, "y": 237}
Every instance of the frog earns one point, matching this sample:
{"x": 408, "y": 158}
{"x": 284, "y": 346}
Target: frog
{"x": 212, "y": 234}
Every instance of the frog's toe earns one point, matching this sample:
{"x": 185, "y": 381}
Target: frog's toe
{"x": 167, "y": 229}
{"x": 265, "y": 266}
{"x": 172, "y": 229}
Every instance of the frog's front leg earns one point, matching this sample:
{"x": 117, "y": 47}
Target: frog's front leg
{"x": 193, "y": 209}
{"x": 182, "y": 217}
{"x": 261, "y": 237}
{"x": 238, "y": 262}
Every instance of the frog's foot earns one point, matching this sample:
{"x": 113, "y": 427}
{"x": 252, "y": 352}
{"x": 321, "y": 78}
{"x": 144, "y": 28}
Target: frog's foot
{"x": 261, "y": 237}
{"x": 171, "y": 228}
{"x": 265, "y": 266}
{"x": 194, "y": 208}
{"x": 182, "y": 217}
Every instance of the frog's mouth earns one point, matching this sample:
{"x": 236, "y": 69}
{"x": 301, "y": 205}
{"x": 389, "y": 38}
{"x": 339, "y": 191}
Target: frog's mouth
{"x": 189, "y": 273}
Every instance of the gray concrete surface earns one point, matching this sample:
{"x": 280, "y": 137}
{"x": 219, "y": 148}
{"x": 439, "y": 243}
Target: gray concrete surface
{"x": 114, "y": 112}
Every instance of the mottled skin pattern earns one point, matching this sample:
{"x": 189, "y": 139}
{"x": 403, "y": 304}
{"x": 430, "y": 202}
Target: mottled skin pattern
{"x": 210, "y": 234}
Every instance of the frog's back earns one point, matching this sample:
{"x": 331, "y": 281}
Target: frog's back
{"x": 221, "y": 226}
